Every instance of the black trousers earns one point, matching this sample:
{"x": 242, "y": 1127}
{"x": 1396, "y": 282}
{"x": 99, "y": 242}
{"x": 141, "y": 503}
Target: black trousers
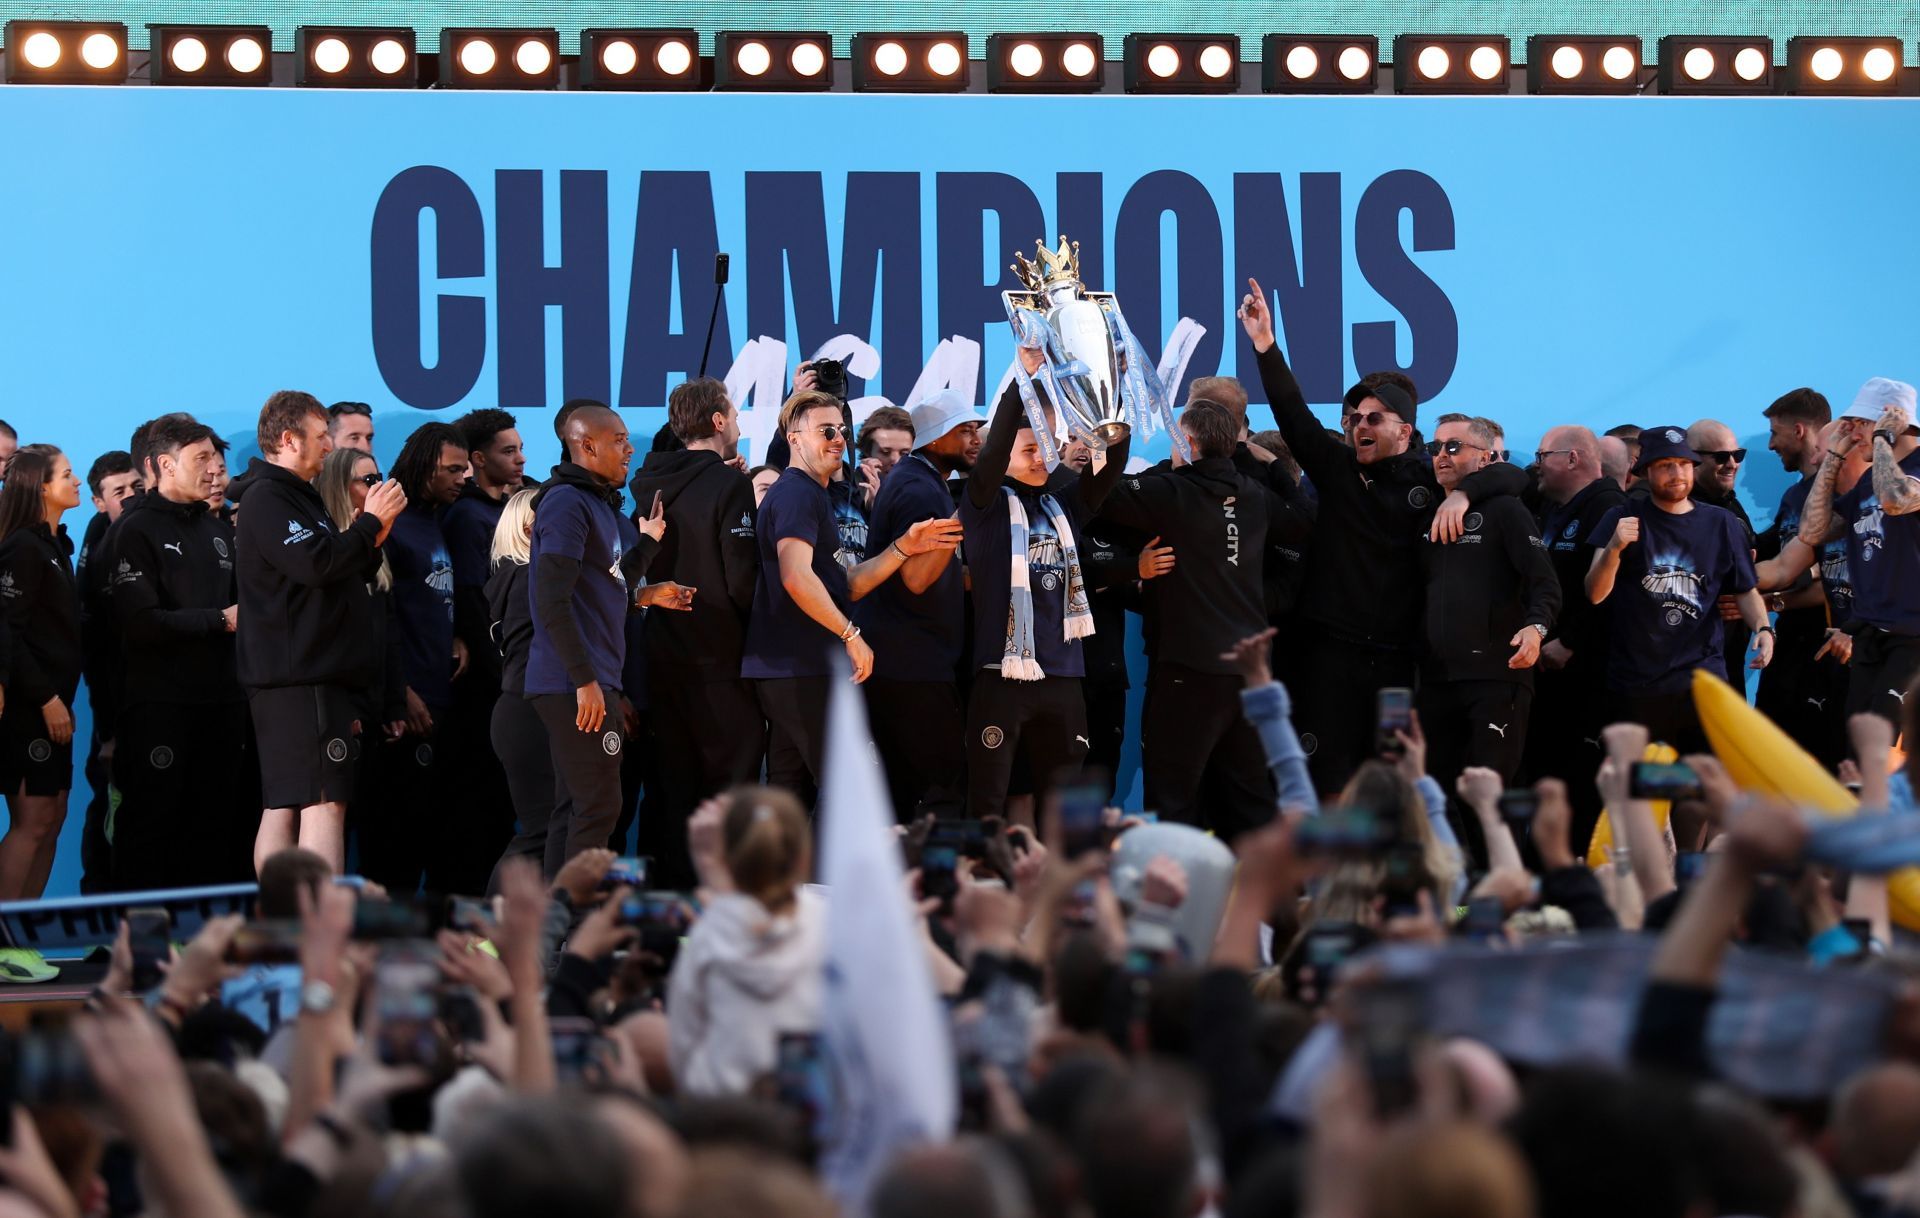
{"x": 1203, "y": 761}
{"x": 796, "y": 711}
{"x": 639, "y": 785}
{"x": 919, "y": 728}
{"x": 1474, "y": 723}
{"x": 96, "y": 852}
{"x": 520, "y": 741}
{"x": 586, "y": 770}
{"x": 1807, "y": 699}
{"x": 1336, "y": 687}
{"x": 706, "y": 736}
{"x": 481, "y": 815}
{"x": 189, "y": 796}
{"x": 412, "y": 819}
{"x": 1569, "y": 709}
{"x": 1669, "y": 718}
{"x": 1043, "y": 722}
{"x": 1882, "y": 673}
{"x": 1106, "y": 727}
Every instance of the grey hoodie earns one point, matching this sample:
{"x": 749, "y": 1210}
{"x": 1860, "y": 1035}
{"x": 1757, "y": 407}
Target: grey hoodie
{"x": 742, "y": 978}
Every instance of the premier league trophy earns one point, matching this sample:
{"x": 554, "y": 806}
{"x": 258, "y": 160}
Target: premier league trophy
{"x": 1099, "y": 379}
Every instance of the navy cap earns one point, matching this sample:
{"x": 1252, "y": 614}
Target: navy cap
{"x": 1663, "y": 444}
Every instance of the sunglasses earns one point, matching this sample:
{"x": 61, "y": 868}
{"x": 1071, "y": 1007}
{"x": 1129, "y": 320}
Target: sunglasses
{"x": 373, "y": 479}
{"x": 1450, "y": 447}
{"x": 1540, "y": 457}
{"x": 1373, "y": 418}
{"x": 1723, "y": 456}
{"x": 828, "y": 431}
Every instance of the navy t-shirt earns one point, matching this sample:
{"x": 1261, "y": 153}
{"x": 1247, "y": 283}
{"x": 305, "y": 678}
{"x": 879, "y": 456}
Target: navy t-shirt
{"x": 570, "y": 523}
{"x": 851, "y": 523}
{"x": 633, "y": 673}
{"x": 423, "y": 604}
{"x": 1835, "y": 581}
{"x": 914, "y": 638}
{"x": 989, "y": 550}
{"x": 1665, "y": 623}
{"x": 782, "y": 641}
{"x": 1883, "y": 556}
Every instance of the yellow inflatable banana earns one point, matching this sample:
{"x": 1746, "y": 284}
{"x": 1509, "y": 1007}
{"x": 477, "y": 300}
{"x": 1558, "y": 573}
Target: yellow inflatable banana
{"x": 1603, "y": 830}
{"x": 1760, "y": 757}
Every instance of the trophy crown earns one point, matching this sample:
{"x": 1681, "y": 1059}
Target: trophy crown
{"x": 1053, "y": 268}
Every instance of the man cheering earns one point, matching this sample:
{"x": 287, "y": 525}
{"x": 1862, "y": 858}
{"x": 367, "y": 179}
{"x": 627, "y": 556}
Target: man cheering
{"x": 1670, "y": 559}
{"x": 1362, "y": 591}
{"x": 1491, "y": 600}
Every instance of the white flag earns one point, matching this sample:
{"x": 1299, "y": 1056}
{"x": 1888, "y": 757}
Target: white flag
{"x": 883, "y": 1028}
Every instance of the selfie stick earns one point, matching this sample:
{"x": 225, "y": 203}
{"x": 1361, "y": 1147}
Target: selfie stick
{"x": 719, "y": 294}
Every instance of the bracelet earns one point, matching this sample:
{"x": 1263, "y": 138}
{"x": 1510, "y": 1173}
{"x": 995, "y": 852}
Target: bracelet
{"x": 895, "y": 547}
{"x": 851, "y": 633}
{"x": 1763, "y": 630}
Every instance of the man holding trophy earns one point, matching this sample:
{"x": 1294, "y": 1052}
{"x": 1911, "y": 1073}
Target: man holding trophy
{"x": 1080, "y": 374}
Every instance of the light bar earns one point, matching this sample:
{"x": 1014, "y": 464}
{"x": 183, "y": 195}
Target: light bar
{"x": 355, "y": 57}
{"x": 1583, "y": 63}
{"x": 640, "y": 59}
{"x": 525, "y": 58}
{"x": 773, "y": 61}
{"x": 919, "y": 62}
{"x": 1451, "y": 63}
{"x": 1182, "y": 63}
{"x": 66, "y": 52}
{"x": 1714, "y": 65}
{"x": 1045, "y": 63}
{"x": 1838, "y": 66}
{"x": 1319, "y": 63}
{"x": 210, "y": 54}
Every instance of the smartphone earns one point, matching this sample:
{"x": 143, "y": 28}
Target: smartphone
{"x": 274, "y": 941}
{"x": 801, "y": 1079}
{"x": 1403, "y": 875}
{"x": 656, "y": 911}
{"x": 579, "y": 1048}
{"x": 1393, "y": 715}
{"x": 378, "y": 921}
{"x": 1083, "y": 808}
{"x": 1345, "y": 833}
{"x": 626, "y": 873}
{"x": 149, "y": 936}
{"x": 1486, "y": 918}
{"x": 1690, "y": 865}
{"x": 1519, "y": 804}
{"x": 407, "y": 1002}
{"x": 459, "y": 1009}
{"x": 939, "y": 876}
{"x": 1327, "y": 946}
{"x": 969, "y": 837}
{"x": 1662, "y": 780}
{"x": 1390, "y": 1025}
{"x": 472, "y": 915}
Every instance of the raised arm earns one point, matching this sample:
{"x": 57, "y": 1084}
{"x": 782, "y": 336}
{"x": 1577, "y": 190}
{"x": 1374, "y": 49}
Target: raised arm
{"x": 1898, "y": 492}
{"x": 325, "y": 557}
{"x": 1606, "y": 560}
{"x": 1817, "y": 525}
{"x": 1318, "y": 453}
{"x": 1101, "y": 476}
{"x": 983, "y": 481}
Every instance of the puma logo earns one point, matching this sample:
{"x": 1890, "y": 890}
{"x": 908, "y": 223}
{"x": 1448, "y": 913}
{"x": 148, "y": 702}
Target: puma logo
{"x": 1084, "y": 740}
{"x": 1817, "y": 703}
{"x": 1897, "y": 697}
{"x": 1498, "y": 727}
{"x": 174, "y": 546}
{"x": 1590, "y": 740}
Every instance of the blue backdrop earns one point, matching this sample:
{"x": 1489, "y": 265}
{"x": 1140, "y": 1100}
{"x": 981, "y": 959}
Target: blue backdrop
{"x": 1538, "y": 260}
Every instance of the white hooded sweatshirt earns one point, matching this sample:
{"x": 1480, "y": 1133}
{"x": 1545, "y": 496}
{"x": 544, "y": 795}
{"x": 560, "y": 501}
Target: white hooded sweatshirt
{"x": 743, "y": 977}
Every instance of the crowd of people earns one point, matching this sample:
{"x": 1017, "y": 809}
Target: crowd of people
{"x": 1352, "y": 961}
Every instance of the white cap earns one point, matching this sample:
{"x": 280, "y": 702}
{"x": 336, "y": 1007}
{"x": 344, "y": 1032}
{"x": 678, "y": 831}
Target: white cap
{"x": 940, "y": 413}
{"x": 1878, "y": 394}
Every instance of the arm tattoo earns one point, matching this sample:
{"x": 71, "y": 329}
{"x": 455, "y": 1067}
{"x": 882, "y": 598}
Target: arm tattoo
{"x": 1898, "y": 493}
{"x": 1816, "y": 518}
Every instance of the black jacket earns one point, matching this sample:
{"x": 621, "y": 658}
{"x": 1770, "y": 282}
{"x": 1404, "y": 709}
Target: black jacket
{"x": 1289, "y": 531}
{"x": 42, "y": 607}
{"x": 510, "y": 606}
{"x": 1734, "y": 635}
{"x": 467, "y": 525}
{"x": 99, "y": 633}
{"x": 173, "y": 576}
{"x": 305, "y": 616}
{"x": 1582, "y": 625}
{"x": 1363, "y": 583}
{"x": 1482, "y": 589}
{"x": 709, "y": 546}
{"x": 1215, "y": 518}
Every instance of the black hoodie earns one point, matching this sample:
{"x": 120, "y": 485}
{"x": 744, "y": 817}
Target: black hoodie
{"x": 1215, "y": 518}
{"x": 305, "y": 616}
{"x": 1363, "y": 582}
{"x": 709, "y": 546}
{"x": 42, "y": 607}
{"x": 1482, "y": 589}
{"x": 173, "y": 578}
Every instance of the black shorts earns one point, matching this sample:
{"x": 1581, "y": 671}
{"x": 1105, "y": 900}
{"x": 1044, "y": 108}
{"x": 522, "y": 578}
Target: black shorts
{"x": 307, "y": 744}
{"x": 28, "y": 755}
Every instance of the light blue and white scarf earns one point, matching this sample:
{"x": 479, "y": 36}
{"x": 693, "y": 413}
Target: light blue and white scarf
{"x": 1017, "y": 662}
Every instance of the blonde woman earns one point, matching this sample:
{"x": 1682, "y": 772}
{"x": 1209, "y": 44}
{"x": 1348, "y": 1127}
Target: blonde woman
{"x": 519, "y": 738}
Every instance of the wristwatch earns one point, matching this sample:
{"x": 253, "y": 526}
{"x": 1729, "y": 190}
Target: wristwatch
{"x": 316, "y": 998}
{"x": 1885, "y": 435}
{"x": 1763, "y": 630}
{"x": 1541, "y": 629}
